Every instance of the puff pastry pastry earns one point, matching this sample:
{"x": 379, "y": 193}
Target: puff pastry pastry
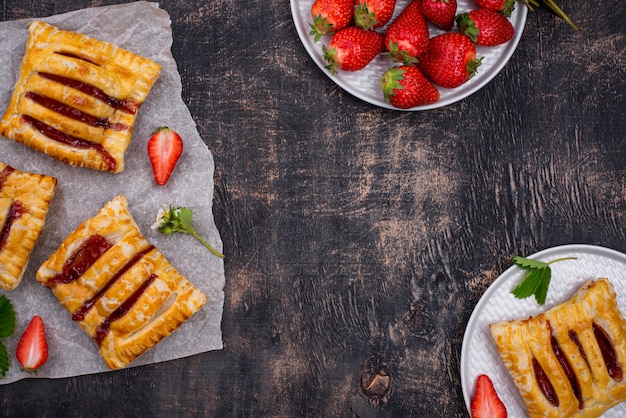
{"x": 24, "y": 202}
{"x": 568, "y": 361}
{"x": 76, "y": 98}
{"x": 120, "y": 289}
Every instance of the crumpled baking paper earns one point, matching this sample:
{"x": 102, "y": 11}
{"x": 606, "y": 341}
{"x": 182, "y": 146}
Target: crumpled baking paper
{"x": 143, "y": 28}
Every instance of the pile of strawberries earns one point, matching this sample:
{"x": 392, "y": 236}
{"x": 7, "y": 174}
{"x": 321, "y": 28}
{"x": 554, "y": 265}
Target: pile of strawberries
{"x": 362, "y": 29}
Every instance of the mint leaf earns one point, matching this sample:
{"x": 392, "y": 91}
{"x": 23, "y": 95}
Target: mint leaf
{"x": 529, "y": 284}
{"x": 7, "y": 317}
{"x": 542, "y": 290}
{"x": 527, "y": 263}
{"x": 4, "y": 361}
{"x": 7, "y": 326}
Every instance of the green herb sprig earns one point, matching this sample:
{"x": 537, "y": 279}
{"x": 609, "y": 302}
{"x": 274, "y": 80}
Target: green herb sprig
{"x": 537, "y": 281}
{"x": 178, "y": 219}
{"x": 7, "y": 327}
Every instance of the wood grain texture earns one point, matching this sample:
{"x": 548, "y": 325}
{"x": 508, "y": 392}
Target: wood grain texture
{"x": 359, "y": 239}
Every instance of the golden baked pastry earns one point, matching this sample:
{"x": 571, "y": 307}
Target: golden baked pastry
{"x": 568, "y": 361}
{"x": 24, "y": 202}
{"x": 120, "y": 289}
{"x": 76, "y": 98}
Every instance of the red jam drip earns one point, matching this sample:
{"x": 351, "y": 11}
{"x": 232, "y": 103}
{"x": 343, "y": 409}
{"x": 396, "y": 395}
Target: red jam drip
{"x": 91, "y": 250}
{"x": 544, "y": 384}
{"x": 16, "y": 210}
{"x": 608, "y": 353}
{"x": 569, "y": 372}
{"x": 73, "y": 141}
{"x": 5, "y": 173}
{"x": 72, "y": 112}
{"x": 127, "y": 106}
{"x": 574, "y": 337}
{"x": 123, "y": 309}
{"x": 80, "y": 314}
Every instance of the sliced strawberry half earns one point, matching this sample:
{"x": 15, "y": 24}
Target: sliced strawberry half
{"x": 486, "y": 403}
{"x": 164, "y": 149}
{"x": 32, "y": 349}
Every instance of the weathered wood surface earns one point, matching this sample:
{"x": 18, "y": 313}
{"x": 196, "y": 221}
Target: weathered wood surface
{"x": 359, "y": 239}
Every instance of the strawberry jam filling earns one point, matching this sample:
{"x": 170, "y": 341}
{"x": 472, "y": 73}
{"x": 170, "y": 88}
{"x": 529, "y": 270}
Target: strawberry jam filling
{"x": 128, "y": 106}
{"x": 567, "y": 369}
{"x": 73, "y": 141}
{"x": 80, "y": 314}
{"x": 608, "y": 353}
{"x": 73, "y": 113}
{"x": 544, "y": 384}
{"x": 5, "y": 173}
{"x": 75, "y": 266}
{"x": 103, "y": 329}
{"x": 574, "y": 337}
{"x": 78, "y": 57}
{"x": 15, "y": 211}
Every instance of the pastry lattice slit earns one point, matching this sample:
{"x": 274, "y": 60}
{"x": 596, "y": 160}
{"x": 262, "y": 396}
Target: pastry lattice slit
{"x": 568, "y": 361}
{"x": 118, "y": 287}
{"x": 24, "y": 202}
{"x": 76, "y": 98}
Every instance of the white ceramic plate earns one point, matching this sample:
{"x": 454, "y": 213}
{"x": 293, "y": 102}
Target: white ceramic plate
{"x": 365, "y": 84}
{"x": 479, "y": 354}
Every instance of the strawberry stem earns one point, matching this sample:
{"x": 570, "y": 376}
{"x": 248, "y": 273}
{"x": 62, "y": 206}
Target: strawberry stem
{"x": 551, "y": 4}
{"x": 206, "y": 244}
{"x": 561, "y": 259}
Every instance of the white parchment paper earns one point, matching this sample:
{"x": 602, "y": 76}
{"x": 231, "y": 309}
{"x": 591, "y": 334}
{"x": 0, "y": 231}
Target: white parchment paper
{"x": 143, "y": 28}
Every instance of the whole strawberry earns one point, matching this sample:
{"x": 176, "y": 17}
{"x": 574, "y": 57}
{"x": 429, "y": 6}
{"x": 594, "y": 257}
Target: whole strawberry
{"x": 405, "y": 87}
{"x": 485, "y": 27}
{"x": 440, "y": 13}
{"x": 505, "y": 7}
{"x": 352, "y": 48}
{"x": 407, "y": 36}
{"x": 450, "y": 60}
{"x": 32, "y": 349}
{"x": 164, "y": 149}
{"x": 329, "y": 16}
{"x": 372, "y": 14}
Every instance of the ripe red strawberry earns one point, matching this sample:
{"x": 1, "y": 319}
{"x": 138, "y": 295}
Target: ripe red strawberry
{"x": 329, "y": 16}
{"x": 352, "y": 48}
{"x": 32, "y": 349}
{"x": 371, "y": 14}
{"x": 407, "y": 36}
{"x": 405, "y": 87}
{"x": 485, "y": 27}
{"x": 450, "y": 60}
{"x": 164, "y": 150}
{"x": 505, "y": 7}
{"x": 486, "y": 403}
{"x": 439, "y": 12}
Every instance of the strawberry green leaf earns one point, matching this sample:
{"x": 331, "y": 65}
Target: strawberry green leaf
{"x": 527, "y": 263}
{"x": 4, "y": 361}
{"x": 529, "y": 284}
{"x": 542, "y": 290}
{"x": 7, "y": 317}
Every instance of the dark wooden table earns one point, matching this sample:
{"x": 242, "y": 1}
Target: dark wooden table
{"x": 359, "y": 239}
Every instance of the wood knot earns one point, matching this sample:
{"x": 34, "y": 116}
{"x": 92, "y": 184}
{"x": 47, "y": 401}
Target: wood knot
{"x": 376, "y": 382}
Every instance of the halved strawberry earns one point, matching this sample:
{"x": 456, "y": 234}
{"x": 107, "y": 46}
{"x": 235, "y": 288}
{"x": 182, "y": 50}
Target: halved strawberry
{"x": 164, "y": 149}
{"x": 486, "y": 403}
{"x": 32, "y": 349}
